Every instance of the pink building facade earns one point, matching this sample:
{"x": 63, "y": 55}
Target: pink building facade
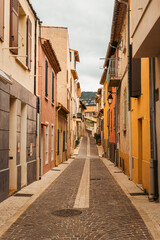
{"x": 47, "y": 89}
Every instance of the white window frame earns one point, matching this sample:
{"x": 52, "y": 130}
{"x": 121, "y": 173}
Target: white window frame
{"x": 52, "y": 142}
{"x": 47, "y": 144}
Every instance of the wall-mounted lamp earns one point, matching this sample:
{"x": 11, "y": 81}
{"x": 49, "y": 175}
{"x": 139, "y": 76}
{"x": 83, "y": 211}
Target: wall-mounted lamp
{"x": 110, "y": 98}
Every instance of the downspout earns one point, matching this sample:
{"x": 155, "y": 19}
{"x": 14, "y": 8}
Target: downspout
{"x": 153, "y": 161}
{"x": 129, "y": 100}
{"x": 35, "y": 57}
{"x": 57, "y": 110}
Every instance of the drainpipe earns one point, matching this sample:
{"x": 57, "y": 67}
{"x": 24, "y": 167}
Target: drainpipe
{"x": 35, "y": 57}
{"x": 129, "y": 100}
{"x": 116, "y": 132}
{"x": 153, "y": 161}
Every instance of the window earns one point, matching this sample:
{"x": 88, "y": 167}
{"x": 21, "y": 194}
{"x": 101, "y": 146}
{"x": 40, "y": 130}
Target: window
{"x": 114, "y": 118}
{"x": 52, "y": 142}
{"x": 63, "y": 141}
{"x": 46, "y": 78}
{"x": 2, "y": 20}
{"x": 125, "y": 109}
{"x": 58, "y": 142}
{"x": 20, "y": 33}
{"x": 70, "y": 54}
{"x": 111, "y": 121}
{"x": 46, "y": 150}
{"x": 52, "y": 87}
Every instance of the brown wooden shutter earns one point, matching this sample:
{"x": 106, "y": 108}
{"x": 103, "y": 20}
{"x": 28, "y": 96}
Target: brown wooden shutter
{"x": 14, "y": 25}
{"x": 29, "y": 43}
{"x": 2, "y": 19}
{"x": 135, "y": 76}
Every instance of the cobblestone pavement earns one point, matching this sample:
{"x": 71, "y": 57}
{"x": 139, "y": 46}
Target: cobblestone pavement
{"x": 110, "y": 215}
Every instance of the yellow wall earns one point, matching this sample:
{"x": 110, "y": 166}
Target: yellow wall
{"x": 140, "y": 127}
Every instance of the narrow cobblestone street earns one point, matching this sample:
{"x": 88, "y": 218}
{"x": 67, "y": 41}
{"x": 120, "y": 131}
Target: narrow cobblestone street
{"x": 110, "y": 215}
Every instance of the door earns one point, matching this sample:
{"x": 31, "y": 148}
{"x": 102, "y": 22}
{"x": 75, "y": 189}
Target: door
{"x": 23, "y": 151}
{"x": 140, "y": 151}
{"x": 61, "y": 147}
{"x": 42, "y": 150}
{"x": 12, "y": 146}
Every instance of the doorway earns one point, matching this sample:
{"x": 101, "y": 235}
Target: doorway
{"x": 23, "y": 145}
{"x": 61, "y": 147}
{"x": 140, "y": 151}
{"x": 12, "y": 146}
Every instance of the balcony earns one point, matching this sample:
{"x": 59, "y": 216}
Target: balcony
{"x": 113, "y": 73}
{"x": 79, "y": 115}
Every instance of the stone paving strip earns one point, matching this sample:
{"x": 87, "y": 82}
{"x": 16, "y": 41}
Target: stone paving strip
{"x": 82, "y": 198}
{"x": 149, "y": 211}
{"x": 12, "y": 208}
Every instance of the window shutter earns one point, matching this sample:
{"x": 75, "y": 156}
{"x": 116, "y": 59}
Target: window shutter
{"x": 29, "y": 44}
{"x": 52, "y": 87}
{"x": 14, "y": 25}
{"x": 58, "y": 142}
{"x": 2, "y": 19}
{"x": 135, "y": 76}
{"x": 46, "y": 78}
{"x": 63, "y": 141}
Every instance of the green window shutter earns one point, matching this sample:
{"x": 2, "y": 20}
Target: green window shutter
{"x": 58, "y": 142}
{"x": 52, "y": 87}
{"x": 63, "y": 141}
{"x": 46, "y": 78}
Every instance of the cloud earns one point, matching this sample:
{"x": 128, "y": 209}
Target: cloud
{"x": 89, "y": 25}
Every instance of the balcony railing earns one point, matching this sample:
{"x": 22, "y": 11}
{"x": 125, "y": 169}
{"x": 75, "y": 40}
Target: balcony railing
{"x": 79, "y": 115}
{"x": 114, "y": 72}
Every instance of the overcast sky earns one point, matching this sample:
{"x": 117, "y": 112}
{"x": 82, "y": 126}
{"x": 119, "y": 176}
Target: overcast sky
{"x": 89, "y": 26}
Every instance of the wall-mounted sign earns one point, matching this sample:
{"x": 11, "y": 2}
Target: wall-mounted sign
{"x": 18, "y": 147}
{"x": 31, "y": 149}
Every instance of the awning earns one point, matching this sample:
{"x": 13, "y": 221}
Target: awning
{"x": 5, "y": 78}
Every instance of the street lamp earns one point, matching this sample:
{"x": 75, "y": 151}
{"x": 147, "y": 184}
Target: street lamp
{"x": 110, "y": 98}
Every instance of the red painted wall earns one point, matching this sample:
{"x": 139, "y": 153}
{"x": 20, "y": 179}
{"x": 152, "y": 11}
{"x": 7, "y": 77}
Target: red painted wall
{"x": 112, "y": 132}
{"x": 48, "y": 109}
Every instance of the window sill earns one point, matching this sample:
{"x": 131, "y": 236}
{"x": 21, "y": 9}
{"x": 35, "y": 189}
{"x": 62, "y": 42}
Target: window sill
{"x": 21, "y": 63}
{"x": 46, "y": 98}
{"x": 53, "y": 104}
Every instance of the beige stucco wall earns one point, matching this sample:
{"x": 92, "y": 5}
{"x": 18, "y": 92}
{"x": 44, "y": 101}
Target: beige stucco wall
{"x": 123, "y": 134}
{"x": 59, "y": 39}
{"x": 8, "y": 62}
{"x": 144, "y": 14}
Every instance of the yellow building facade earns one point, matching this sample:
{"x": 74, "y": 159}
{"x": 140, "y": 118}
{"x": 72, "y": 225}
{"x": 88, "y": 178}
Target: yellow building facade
{"x": 140, "y": 129}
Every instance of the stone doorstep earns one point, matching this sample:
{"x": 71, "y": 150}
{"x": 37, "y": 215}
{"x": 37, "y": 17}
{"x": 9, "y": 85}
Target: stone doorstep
{"x": 146, "y": 209}
{"x": 13, "y": 207}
